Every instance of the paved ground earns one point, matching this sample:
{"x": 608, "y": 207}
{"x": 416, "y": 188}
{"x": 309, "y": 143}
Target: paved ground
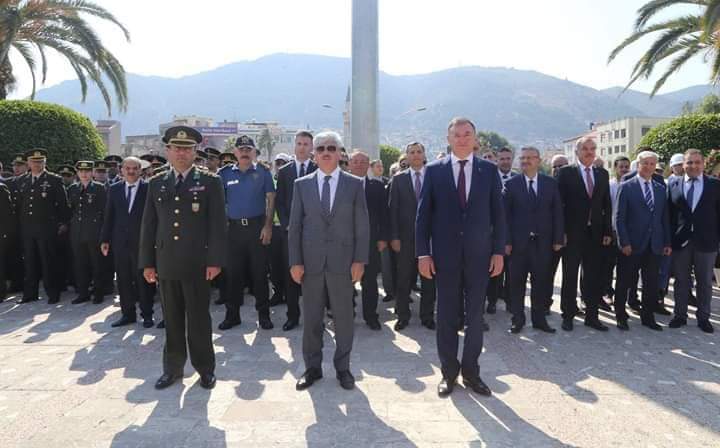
{"x": 68, "y": 379}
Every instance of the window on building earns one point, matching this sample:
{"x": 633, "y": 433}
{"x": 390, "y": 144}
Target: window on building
{"x": 617, "y": 133}
{"x": 644, "y": 130}
{"x": 623, "y": 133}
{"x": 609, "y": 135}
{"x": 617, "y": 149}
{"x": 623, "y": 148}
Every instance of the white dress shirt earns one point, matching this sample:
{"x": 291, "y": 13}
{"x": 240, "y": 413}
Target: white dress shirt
{"x": 649, "y": 186}
{"x": 535, "y": 183}
{"x": 299, "y": 164}
{"x": 504, "y": 177}
{"x": 413, "y": 175}
{"x": 335, "y": 177}
{"x": 614, "y": 187}
{"x": 699, "y": 183}
{"x": 468, "y": 171}
{"x": 133, "y": 193}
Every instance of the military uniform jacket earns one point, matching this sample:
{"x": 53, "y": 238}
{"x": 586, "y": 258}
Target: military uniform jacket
{"x": 184, "y": 230}
{"x": 43, "y": 207}
{"x": 87, "y": 208}
{"x": 7, "y": 214}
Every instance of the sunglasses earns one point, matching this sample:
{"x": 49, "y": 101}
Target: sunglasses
{"x": 324, "y": 148}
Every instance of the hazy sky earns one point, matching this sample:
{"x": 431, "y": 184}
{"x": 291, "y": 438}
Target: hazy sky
{"x": 563, "y": 38}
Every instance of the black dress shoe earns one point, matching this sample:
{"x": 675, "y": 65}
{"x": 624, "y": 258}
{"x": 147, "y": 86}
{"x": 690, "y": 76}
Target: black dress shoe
{"x": 429, "y": 324}
{"x": 401, "y": 324}
{"x": 374, "y": 325}
{"x": 623, "y": 325}
{"x": 123, "y": 321}
{"x": 148, "y": 323}
{"x": 477, "y": 386}
{"x": 651, "y": 325}
{"x": 706, "y": 326}
{"x": 166, "y": 380}
{"x": 491, "y": 308}
{"x": 290, "y": 324}
{"x": 265, "y": 323}
{"x": 595, "y": 325}
{"x": 516, "y": 328}
{"x": 161, "y": 324}
{"x": 347, "y": 381}
{"x": 78, "y": 300}
{"x": 662, "y": 311}
{"x": 446, "y": 387}
{"x": 677, "y": 322}
{"x": 567, "y": 325}
{"x": 603, "y": 305}
{"x": 545, "y": 328}
{"x": 207, "y": 380}
{"x": 388, "y": 298}
{"x": 308, "y": 378}
{"x": 229, "y": 323}
{"x": 28, "y": 300}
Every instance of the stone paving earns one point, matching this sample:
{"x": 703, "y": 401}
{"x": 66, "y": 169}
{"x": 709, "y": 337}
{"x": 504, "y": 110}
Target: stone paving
{"x": 67, "y": 379}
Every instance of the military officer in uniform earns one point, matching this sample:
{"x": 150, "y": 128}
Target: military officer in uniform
{"x": 100, "y": 172}
{"x": 213, "y": 159}
{"x": 113, "y": 163}
{"x": 8, "y": 226}
{"x": 87, "y": 205}
{"x": 14, "y": 252}
{"x": 67, "y": 173}
{"x": 183, "y": 244}
{"x": 227, "y": 158}
{"x": 44, "y": 214}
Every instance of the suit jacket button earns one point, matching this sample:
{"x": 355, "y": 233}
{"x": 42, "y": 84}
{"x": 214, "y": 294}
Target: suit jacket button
{"x": 177, "y": 211}
{"x": 176, "y": 237}
{"x": 177, "y": 224}
{"x": 177, "y": 198}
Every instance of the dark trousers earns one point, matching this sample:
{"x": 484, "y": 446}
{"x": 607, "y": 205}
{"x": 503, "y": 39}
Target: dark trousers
{"x": 4, "y": 244}
{"x": 370, "y": 285}
{"x": 107, "y": 274}
{"x": 276, "y": 262}
{"x": 587, "y": 252}
{"x": 453, "y": 287}
{"x": 132, "y": 286}
{"x": 554, "y": 263}
{"x": 246, "y": 252}
{"x": 87, "y": 261}
{"x": 15, "y": 266}
{"x": 533, "y": 260}
{"x": 67, "y": 268}
{"x": 187, "y": 303}
{"x": 685, "y": 261}
{"x": 648, "y": 264}
{"x": 499, "y": 287}
{"x": 406, "y": 278}
{"x": 41, "y": 262}
{"x": 292, "y": 289}
{"x": 389, "y": 271}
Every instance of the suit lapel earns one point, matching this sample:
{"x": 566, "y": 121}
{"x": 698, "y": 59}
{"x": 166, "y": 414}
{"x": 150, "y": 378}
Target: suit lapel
{"x": 315, "y": 191}
{"x": 123, "y": 195}
{"x": 474, "y": 180}
{"x": 410, "y": 187}
{"x": 339, "y": 191}
{"x": 450, "y": 178}
{"x": 581, "y": 180}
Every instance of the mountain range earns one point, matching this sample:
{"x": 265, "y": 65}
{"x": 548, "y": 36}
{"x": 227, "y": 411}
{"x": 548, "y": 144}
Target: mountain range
{"x": 527, "y": 107}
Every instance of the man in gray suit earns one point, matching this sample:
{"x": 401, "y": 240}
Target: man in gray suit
{"x": 328, "y": 242}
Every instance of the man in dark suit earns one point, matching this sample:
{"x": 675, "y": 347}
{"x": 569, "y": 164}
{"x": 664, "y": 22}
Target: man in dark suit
{"x": 87, "y": 206}
{"x": 44, "y": 214}
{"x": 694, "y": 207}
{"x": 460, "y": 238}
{"x": 301, "y": 166}
{"x": 8, "y": 226}
{"x": 183, "y": 242}
{"x": 14, "y": 253}
{"x": 585, "y": 193}
{"x": 535, "y": 230}
{"x": 643, "y": 233}
{"x": 405, "y": 191}
{"x": 121, "y": 232}
{"x": 377, "y": 206}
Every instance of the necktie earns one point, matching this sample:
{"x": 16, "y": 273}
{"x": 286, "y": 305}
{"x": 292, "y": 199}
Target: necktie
{"x": 533, "y": 194}
{"x": 302, "y": 169}
{"x": 325, "y": 198}
{"x": 129, "y": 196}
{"x": 589, "y": 182}
{"x": 505, "y": 176}
{"x": 691, "y": 193}
{"x": 179, "y": 182}
{"x": 33, "y": 180}
{"x": 648, "y": 197}
{"x": 461, "y": 184}
{"x": 418, "y": 186}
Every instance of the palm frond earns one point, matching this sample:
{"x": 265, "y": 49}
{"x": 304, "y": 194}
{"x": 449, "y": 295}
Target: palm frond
{"x": 653, "y": 7}
{"x": 690, "y": 23}
{"x": 26, "y": 53}
{"x": 675, "y": 65}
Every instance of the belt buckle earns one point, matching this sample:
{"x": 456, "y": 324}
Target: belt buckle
{"x": 244, "y": 222}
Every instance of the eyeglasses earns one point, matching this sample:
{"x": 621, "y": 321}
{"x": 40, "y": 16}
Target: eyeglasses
{"x": 328, "y": 148}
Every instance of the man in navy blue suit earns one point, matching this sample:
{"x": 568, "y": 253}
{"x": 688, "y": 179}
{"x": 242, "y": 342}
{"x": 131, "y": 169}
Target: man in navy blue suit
{"x": 643, "y": 235}
{"x": 461, "y": 212}
{"x": 694, "y": 207}
{"x": 535, "y": 229}
{"x": 121, "y": 232}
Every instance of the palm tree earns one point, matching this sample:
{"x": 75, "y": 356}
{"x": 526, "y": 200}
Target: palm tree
{"x": 678, "y": 39}
{"x": 266, "y": 142}
{"x": 30, "y": 27}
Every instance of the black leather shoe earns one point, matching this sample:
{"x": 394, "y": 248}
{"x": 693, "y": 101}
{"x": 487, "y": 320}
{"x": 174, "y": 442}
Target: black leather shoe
{"x": 207, "y": 380}
{"x": 229, "y": 323}
{"x": 28, "y": 300}
{"x": 401, "y": 324}
{"x": 662, "y": 311}
{"x": 78, "y": 300}
{"x": 265, "y": 323}
{"x": 347, "y": 381}
{"x": 706, "y": 326}
{"x": 652, "y": 325}
{"x": 545, "y": 328}
{"x": 388, "y": 298}
{"x": 491, "y": 308}
{"x": 374, "y": 325}
{"x": 677, "y": 322}
{"x": 429, "y": 324}
{"x": 446, "y": 387}
{"x": 595, "y": 325}
{"x": 567, "y": 325}
{"x": 308, "y": 378}
{"x": 516, "y": 328}
{"x": 290, "y": 324}
{"x": 161, "y": 324}
{"x": 123, "y": 321}
{"x": 166, "y": 380}
{"x": 477, "y": 386}
{"x": 603, "y": 305}
{"x": 623, "y": 325}
{"x": 148, "y": 323}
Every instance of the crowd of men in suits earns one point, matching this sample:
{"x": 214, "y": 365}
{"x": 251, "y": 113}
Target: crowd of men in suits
{"x": 469, "y": 227}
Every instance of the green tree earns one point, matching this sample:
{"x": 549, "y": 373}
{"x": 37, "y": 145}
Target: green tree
{"x": 678, "y": 39}
{"x": 389, "y": 155}
{"x": 31, "y": 27}
{"x": 709, "y": 105}
{"x": 266, "y": 142}
{"x": 700, "y": 131}
{"x": 491, "y": 139}
{"x": 66, "y": 134}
